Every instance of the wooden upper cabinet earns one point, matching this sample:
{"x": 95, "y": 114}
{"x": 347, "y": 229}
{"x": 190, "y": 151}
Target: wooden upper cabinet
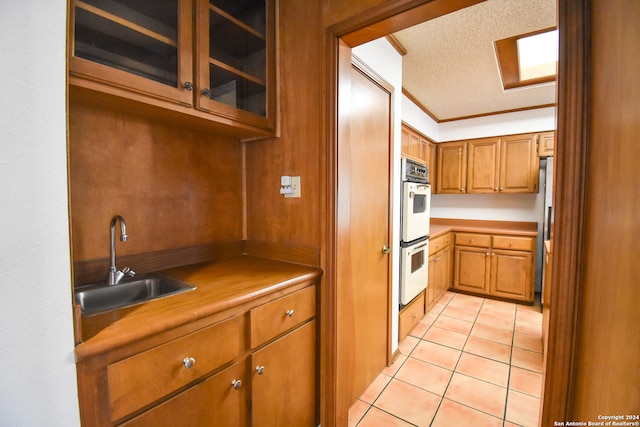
{"x": 145, "y": 52}
{"x": 546, "y": 144}
{"x": 452, "y": 168}
{"x": 235, "y": 60}
{"x": 406, "y": 138}
{"x": 519, "y": 164}
{"x": 507, "y": 164}
{"x": 144, "y": 47}
{"x": 503, "y": 165}
{"x": 418, "y": 147}
{"x": 483, "y": 165}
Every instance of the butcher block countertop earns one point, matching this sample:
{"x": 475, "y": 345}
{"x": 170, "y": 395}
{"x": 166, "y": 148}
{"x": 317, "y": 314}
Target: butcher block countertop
{"x": 440, "y": 226}
{"x": 224, "y": 288}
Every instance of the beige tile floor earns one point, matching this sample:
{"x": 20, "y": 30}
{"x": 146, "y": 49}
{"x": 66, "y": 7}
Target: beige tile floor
{"x": 469, "y": 362}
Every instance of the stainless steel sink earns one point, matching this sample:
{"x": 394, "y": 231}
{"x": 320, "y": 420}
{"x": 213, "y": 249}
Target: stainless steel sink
{"x": 100, "y": 298}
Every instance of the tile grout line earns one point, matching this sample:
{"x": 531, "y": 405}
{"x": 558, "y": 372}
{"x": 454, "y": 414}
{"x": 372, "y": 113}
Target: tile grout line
{"x": 421, "y": 338}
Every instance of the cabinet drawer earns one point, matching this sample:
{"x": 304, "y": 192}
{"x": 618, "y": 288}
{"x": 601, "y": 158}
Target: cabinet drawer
{"x": 438, "y": 243}
{"x": 146, "y": 377}
{"x": 411, "y": 315}
{"x": 273, "y": 318}
{"x": 514, "y": 243}
{"x": 469, "y": 239}
{"x": 215, "y": 398}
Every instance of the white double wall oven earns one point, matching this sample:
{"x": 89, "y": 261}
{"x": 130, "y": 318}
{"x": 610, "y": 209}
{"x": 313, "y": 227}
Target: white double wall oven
{"x": 415, "y": 214}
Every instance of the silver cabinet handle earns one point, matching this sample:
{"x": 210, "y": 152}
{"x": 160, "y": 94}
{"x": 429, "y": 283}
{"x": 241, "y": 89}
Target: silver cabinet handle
{"x": 236, "y": 384}
{"x": 289, "y": 313}
{"x": 188, "y": 86}
{"x": 188, "y": 362}
{"x": 260, "y": 369}
{"x": 206, "y": 92}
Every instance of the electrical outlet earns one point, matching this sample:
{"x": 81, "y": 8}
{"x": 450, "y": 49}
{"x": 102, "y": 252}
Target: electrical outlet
{"x": 295, "y": 186}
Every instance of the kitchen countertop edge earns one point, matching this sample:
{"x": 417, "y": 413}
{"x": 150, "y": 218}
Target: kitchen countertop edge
{"x": 441, "y": 226}
{"x": 109, "y": 331}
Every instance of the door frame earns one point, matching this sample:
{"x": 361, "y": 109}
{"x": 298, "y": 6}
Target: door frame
{"x": 569, "y": 199}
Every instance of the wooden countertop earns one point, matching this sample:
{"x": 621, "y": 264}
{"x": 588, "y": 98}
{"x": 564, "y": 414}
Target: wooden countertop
{"x": 440, "y": 226}
{"x": 220, "y": 286}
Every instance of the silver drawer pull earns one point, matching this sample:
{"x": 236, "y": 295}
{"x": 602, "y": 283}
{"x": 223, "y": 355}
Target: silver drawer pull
{"x": 188, "y": 362}
{"x": 290, "y": 313}
{"x": 236, "y": 384}
{"x": 260, "y": 369}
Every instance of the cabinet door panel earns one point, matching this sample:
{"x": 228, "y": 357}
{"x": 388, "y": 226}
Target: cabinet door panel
{"x": 145, "y": 47}
{"x": 445, "y": 261}
{"x": 283, "y": 394}
{"x": 546, "y": 144}
{"x": 452, "y": 168}
{"x": 511, "y": 274}
{"x": 482, "y": 172}
{"x": 472, "y": 269}
{"x": 235, "y": 51}
{"x": 214, "y": 402}
{"x": 430, "y": 293}
{"x": 519, "y": 164}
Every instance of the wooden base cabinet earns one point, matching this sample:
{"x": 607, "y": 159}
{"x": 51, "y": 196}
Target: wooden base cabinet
{"x": 472, "y": 269}
{"x": 502, "y": 266}
{"x": 256, "y": 368}
{"x": 216, "y": 401}
{"x": 283, "y": 384}
{"x": 411, "y": 314}
{"x": 511, "y": 275}
{"x": 439, "y": 268}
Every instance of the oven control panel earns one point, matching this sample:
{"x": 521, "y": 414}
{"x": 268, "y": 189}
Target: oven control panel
{"x": 413, "y": 171}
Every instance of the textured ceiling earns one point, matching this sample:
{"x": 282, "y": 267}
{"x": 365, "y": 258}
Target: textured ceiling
{"x": 450, "y": 66}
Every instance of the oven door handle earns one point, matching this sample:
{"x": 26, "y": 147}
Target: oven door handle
{"x": 419, "y": 247}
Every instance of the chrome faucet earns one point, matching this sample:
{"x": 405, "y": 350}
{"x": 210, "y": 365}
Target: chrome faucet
{"x": 115, "y": 275}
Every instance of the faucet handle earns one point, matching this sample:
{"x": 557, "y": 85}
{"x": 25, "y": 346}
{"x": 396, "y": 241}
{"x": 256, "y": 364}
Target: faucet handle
{"x": 127, "y": 271}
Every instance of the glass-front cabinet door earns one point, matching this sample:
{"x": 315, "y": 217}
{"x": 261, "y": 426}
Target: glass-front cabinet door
{"x": 139, "y": 45}
{"x": 235, "y": 47}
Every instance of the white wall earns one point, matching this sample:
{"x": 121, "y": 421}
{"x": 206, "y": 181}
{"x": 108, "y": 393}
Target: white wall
{"x": 37, "y": 370}
{"x": 387, "y": 63}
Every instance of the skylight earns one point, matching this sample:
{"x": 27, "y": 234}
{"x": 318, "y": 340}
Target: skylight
{"x": 528, "y": 59}
{"x": 538, "y": 55}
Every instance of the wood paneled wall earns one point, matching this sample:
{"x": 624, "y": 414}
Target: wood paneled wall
{"x": 607, "y": 371}
{"x": 300, "y": 149}
{"x": 175, "y": 187}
